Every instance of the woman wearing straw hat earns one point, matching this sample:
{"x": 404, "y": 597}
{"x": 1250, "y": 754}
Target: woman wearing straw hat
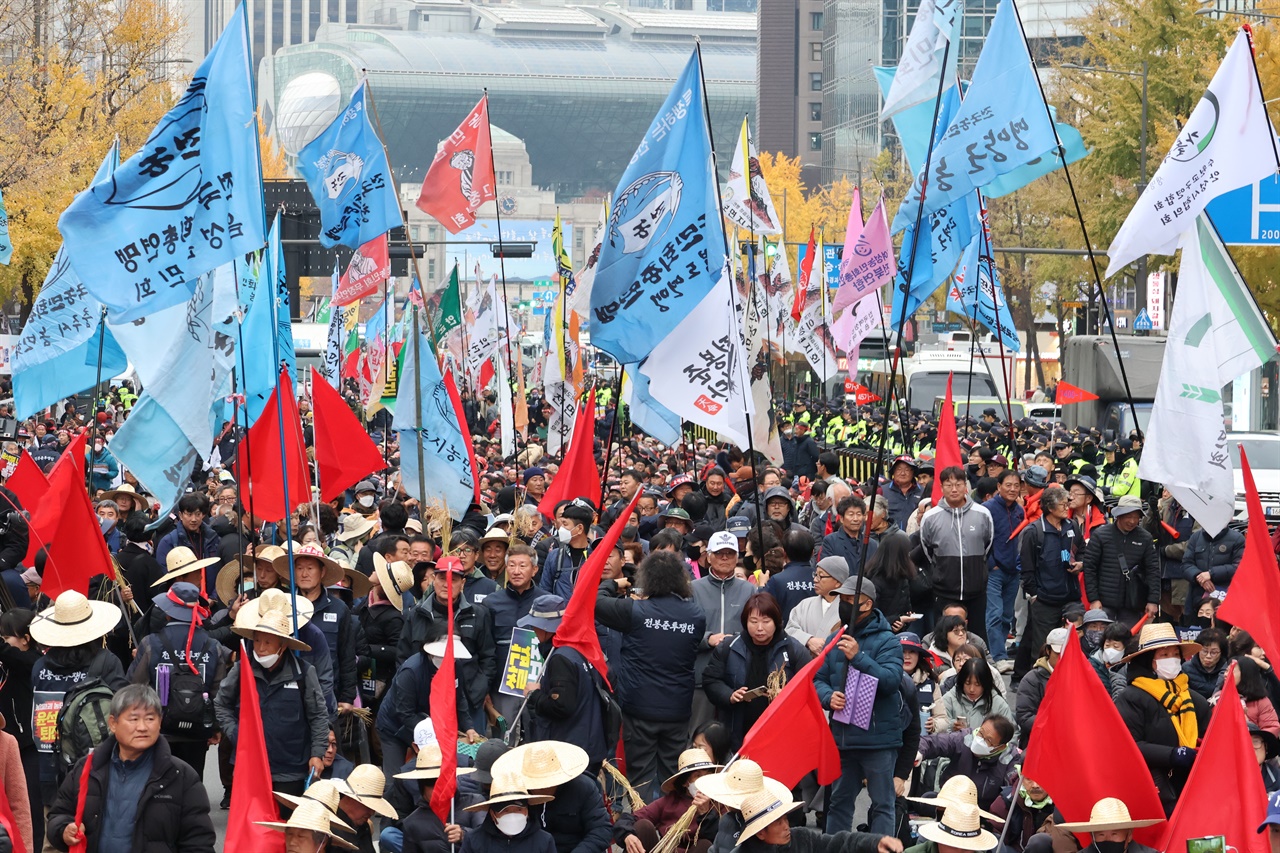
{"x": 295, "y": 721}
{"x": 575, "y": 814}
{"x": 508, "y": 827}
{"x": 1164, "y": 715}
{"x": 1111, "y": 827}
{"x": 72, "y": 633}
{"x": 423, "y": 831}
{"x": 639, "y": 832}
{"x": 959, "y": 829}
{"x": 309, "y": 829}
{"x": 766, "y": 829}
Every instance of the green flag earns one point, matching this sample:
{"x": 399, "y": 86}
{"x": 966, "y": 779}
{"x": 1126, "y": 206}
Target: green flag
{"x": 323, "y": 309}
{"x": 448, "y": 313}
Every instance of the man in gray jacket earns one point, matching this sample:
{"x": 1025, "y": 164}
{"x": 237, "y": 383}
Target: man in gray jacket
{"x": 956, "y": 536}
{"x": 721, "y": 594}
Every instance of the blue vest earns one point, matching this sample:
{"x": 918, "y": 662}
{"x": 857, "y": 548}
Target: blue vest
{"x": 284, "y": 719}
{"x": 668, "y": 629}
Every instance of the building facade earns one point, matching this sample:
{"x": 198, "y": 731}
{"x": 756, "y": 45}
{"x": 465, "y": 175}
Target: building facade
{"x": 790, "y": 81}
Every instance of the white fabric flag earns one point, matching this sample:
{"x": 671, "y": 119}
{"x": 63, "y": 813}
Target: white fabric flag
{"x": 764, "y": 426}
{"x": 916, "y": 80}
{"x": 506, "y": 411}
{"x": 486, "y": 333}
{"x": 1216, "y": 333}
{"x": 747, "y": 203}
{"x": 331, "y": 367}
{"x": 858, "y": 321}
{"x": 699, "y": 370}
{"x": 1227, "y": 143}
{"x": 584, "y": 279}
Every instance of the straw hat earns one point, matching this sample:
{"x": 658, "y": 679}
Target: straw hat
{"x": 181, "y": 561}
{"x": 274, "y": 599}
{"x": 125, "y": 489}
{"x": 1159, "y": 636}
{"x": 228, "y": 577}
{"x": 353, "y": 525}
{"x": 360, "y": 583}
{"x": 278, "y": 624}
{"x": 743, "y": 778}
{"x": 311, "y": 815}
{"x": 332, "y": 571}
{"x": 395, "y": 579}
{"x": 322, "y": 791}
{"x": 1108, "y": 813}
{"x": 544, "y": 764}
{"x": 414, "y": 525}
{"x": 268, "y": 553}
{"x": 508, "y": 787}
{"x": 428, "y": 763}
{"x": 495, "y": 534}
{"x": 690, "y": 761}
{"x": 74, "y": 620}
{"x": 960, "y": 827}
{"x": 763, "y": 808}
{"x": 437, "y": 648}
{"x": 957, "y": 791}
{"x": 365, "y": 785}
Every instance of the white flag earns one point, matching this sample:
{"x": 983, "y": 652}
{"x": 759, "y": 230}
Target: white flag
{"x": 858, "y": 321}
{"x": 1227, "y": 143}
{"x": 747, "y": 203}
{"x": 506, "y": 411}
{"x": 699, "y": 370}
{"x": 584, "y": 279}
{"x": 1216, "y": 333}
{"x": 331, "y": 367}
{"x": 916, "y": 79}
{"x": 764, "y": 427}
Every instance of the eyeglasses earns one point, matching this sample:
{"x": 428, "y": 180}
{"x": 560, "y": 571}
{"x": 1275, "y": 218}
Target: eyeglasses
{"x": 822, "y": 576}
{"x": 1211, "y": 652}
{"x": 465, "y": 551}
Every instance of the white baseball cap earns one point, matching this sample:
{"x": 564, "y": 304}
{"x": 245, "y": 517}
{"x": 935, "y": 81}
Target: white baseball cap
{"x": 424, "y": 733}
{"x": 722, "y": 541}
{"x": 1057, "y": 639}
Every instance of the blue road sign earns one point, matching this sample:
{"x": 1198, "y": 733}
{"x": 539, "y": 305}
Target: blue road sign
{"x": 1142, "y": 323}
{"x": 1249, "y": 216}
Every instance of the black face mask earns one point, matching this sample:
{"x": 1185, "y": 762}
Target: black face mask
{"x": 749, "y": 562}
{"x": 846, "y": 613}
{"x": 1111, "y": 846}
{"x": 1091, "y": 641}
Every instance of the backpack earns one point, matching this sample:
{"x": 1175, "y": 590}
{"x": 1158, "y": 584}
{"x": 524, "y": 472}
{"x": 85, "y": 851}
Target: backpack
{"x": 187, "y": 710}
{"x": 610, "y": 713}
{"x": 82, "y": 723}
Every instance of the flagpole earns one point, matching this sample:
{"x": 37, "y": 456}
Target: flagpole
{"x": 751, "y": 447}
{"x": 1084, "y": 231}
{"x": 284, "y": 463}
{"x": 97, "y": 392}
{"x": 417, "y": 413}
{"x": 502, "y": 262}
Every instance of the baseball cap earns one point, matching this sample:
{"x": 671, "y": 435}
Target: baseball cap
{"x": 1273, "y": 812}
{"x": 849, "y": 587}
{"x": 722, "y": 540}
{"x": 1057, "y": 639}
{"x": 1093, "y": 616}
{"x": 1126, "y": 505}
{"x": 739, "y": 526}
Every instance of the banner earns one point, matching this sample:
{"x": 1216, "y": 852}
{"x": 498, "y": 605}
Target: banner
{"x": 921, "y": 67}
{"x": 460, "y": 178}
{"x": 747, "y": 203}
{"x": 266, "y": 333}
{"x": 189, "y": 201}
{"x": 331, "y": 366}
{"x": 868, "y": 264}
{"x": 524, "y": 662}
{"x": 764, "y": 425}
{"x": 369, "y": 267}
{"x": 976, "y": 293}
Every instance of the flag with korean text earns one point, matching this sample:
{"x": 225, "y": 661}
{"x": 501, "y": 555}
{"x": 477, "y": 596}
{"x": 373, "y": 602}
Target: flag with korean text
{"x": 487, "y": 332}
{"x": 584, "y": 279}
{"x": 1227, "y": 142}
{"x": 445, "y": 308}
{"x": 868, "y": 264}
{"x": 807, "y": 336}
{"x": 1002, "y": 124}
{"x": 461, "y": 178}
{"x": 57, "y": 353}
{"x": 664, "y": 248}
{"x": 350, "y": 180}
{"x": 699, "y": 371}
{"x": 6, "y": 242}
{"x": 331, "y": 365}
{"x": 369, "y": 267}
{"x": 1216, "y": 334}
{"x": 976, "y": 293}
{"x": 190, "y": 200}
{"x": 755, "y": 319}
{"x": 647, "y": 413}
{"x": 926, "y": 59}
{"x": 433, "y": 454}
{"x": 266, "y": 333}
{"x": 860, "y": 319}
{"x": 747, "y": 203}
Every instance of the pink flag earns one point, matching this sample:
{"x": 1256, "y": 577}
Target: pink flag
{"x": 850, "y": 328}
{"x": 869, "y": 264}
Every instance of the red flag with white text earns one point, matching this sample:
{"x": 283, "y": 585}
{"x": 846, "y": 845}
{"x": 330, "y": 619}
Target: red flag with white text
{"x": 368, "y": 268}
{"x": 461, "y": 177}
{"x": 1068, "y": 393}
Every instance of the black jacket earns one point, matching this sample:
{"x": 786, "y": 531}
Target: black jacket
{"x": 1152, "y": 729}
{"x": 173, "y": 814}
{"x": 728, "y": 670}
{"x": 1104, "y": 578}
{"x": 489, "y": 839}
{"x": 140, "y": 568}
{"x": 1200, "y": 679}
{"x": 1218, "y": 555}
{"x": 13, "y": 543}
{"x": 423, "y": 831}
{"x": 15, "y": 692}
{"x": 474, "y": 625}
{"x": 1044, "y": 576}
{"x": 805, "y": 840}
{"x": 1030, "y": 695}
{"x": 576, "y": 818}
{"x": 381, "y": 626}
{"x": 507, "y": 607}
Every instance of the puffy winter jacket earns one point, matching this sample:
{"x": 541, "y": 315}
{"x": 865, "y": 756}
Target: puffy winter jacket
{"x": 1153, "y": 731}
{"x": 957, "y": 706}
{"x": 955, "y": 542}
{"x": 1005, "y": 518}
{"x": 1201, "y": 680}
{"x": 721, "y": 602}
{"x": 1106, "y": 558}
{"x": 474, "y": 626}
{"x": 990, "y": 774}
{"x": 879, "y": 654}
{"x": 1030, "y": 695}
{"x": 1218, "y": 555}
{"x": 728, "y": 671}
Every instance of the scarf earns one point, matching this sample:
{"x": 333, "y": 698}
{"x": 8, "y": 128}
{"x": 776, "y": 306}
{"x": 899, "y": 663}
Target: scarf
{"x": 1175, "y": 697}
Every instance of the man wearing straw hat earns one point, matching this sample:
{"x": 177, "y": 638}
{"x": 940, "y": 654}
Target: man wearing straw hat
{"x": 361, "y": 798}
{"x": 767, "y": 830}
{"x": 959, "y": 829}
{"x": 1111, "y": 828}
{"x": 308, "y": 830}
{"x": 295, "y": 722}
{"x": 423, "y": 831}
{"x": 313, "y": 573}
{"x": 574, "y": 813}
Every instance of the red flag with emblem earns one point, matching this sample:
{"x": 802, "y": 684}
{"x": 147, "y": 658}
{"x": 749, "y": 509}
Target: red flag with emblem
{"x": 460, "y": 178}
{"x": 367, "y": 269}
{"x": 802, "y": 286}
{"x": 1068, "y": 393}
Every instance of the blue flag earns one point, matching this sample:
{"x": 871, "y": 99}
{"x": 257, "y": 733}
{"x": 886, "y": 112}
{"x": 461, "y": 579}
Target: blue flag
{"x": 189, "y": 201}
{"x": 57, "y": 353}
{"x": 647, "y": 413}
{"x": 153, "y": 447}
{"x": 6, "y": 244}
{"x": 976, "y": 293}
{"x": 1001, "y": 125}
{"x": 350, "y": 180}
{"x": 265, "y": 333}
{"x": 1050, "y": 161}
{"x": 434, "y": 462}
{"x": 663, "y": 248}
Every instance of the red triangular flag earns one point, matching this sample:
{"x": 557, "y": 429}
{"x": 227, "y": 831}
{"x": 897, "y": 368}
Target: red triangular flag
{"x": 267, "y": 499}
{"x": 369, "y": 267}
{"x": 251, "y": 797}
{"x": 351, "y": 366}
{"x": 443, "y": 704}
{"x": 456, "y": 399}
{"x": 487, "y": 372}
{"x": 460, "y": 177}
{"x": 29, "y": 483}
{"x": 1032, "y": 510}
{"x": 1253, "y": 602}
{"x": 65, "y": 521}
{"x": 1068, "y": 393}
{"x": 802, "y": 286}
{"x": 344, "y": 451}
{"x": 578, "y": 477}
{"x": 578, "y": 626}
{"x": 792, "y": 736}
{"x": 1225, "y": 762}
{"x": 947, "y": 448}
{"x": 1080, "y": 750}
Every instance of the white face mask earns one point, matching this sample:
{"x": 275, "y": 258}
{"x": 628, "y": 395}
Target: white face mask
{"x": 365, "y": 500}
{"x": 267, "y": 661}
{"x": 1168, "y": 668}
{"x": 980, "y": 747}
{"x": 563, "y": 536}
{"x": 512, "y": 823}
{"x": 693, "y": 788}
{"x": 436, "y": 660}
{"x": 1111, "y": 656}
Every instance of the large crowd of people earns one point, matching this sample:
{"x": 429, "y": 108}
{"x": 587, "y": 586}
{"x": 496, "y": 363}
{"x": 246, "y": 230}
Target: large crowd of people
{"x": 730, "y": 575}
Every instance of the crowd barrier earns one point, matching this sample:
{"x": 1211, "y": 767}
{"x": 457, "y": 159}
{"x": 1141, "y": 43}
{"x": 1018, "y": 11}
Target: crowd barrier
{"x": 857, "y": 465}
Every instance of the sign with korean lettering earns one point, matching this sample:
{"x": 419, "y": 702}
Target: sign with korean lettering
{"x": 189, "y": 201}
{"x": 524, "y": 662}
{"x": 663, "y": 247}
{"x": 45, "y": 705}
{"x": 1155, "y": 298}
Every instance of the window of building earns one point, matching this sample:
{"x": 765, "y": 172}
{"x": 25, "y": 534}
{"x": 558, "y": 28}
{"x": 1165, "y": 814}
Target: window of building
{"x": 815, "y": 21}
{"x": 815, "y": 51}
{"x": 815, "y": 111}
{"x": 815, "y": 142}
{"x": 815, "y": 81}
{"x": 506, "y": 177}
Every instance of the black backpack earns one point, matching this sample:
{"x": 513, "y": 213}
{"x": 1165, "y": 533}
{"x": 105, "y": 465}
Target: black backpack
{"x": 188, "y": 711}
{"x": 610, "y": 713}
{"x": 82, "y": 723}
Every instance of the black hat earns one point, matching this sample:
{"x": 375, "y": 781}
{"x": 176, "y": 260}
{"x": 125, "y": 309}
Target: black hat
{"x": 989, "y": 411}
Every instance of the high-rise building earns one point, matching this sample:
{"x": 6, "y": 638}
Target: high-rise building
{"x": 789, "y": 81}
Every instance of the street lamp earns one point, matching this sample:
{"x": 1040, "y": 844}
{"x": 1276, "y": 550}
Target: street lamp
{"x": 1142, "y": 158}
